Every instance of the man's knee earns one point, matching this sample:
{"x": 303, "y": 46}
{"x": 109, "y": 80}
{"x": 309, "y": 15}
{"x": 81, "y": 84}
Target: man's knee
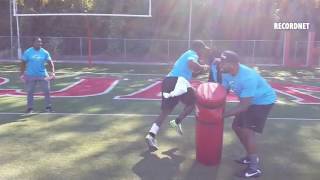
{"x": 236, "y": 127}
{"x": 190, "y": 106}
{"x": 167, "y": 110}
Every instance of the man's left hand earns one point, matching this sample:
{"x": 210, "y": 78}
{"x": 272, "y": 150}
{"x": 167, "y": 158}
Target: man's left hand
{"x": 51, "y": 76}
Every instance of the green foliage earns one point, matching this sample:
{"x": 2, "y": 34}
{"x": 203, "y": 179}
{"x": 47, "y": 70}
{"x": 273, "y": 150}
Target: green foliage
{"x": 212, "y": 19}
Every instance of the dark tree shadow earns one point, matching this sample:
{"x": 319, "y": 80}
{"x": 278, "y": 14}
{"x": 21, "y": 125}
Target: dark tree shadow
{"x": 153, "y": 167}
{"x": 13, "y": 118}
{"x": 199, "y": 171}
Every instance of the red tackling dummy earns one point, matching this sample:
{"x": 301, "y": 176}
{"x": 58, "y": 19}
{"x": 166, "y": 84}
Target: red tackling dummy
{"x": 211, "y": 98}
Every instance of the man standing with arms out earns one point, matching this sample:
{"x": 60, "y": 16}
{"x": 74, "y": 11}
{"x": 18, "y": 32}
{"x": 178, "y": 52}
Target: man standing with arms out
{"x": 33, "y": 71}
{"x": 256, "y": 100}
{"x": 176, "y": 87}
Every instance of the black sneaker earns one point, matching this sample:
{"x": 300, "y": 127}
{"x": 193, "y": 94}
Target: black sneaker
{"x": 249, "y": 173}
{"x": 29, "y": 111}
{"x": 244, "y": 160}
{"x": 49, "y": 109}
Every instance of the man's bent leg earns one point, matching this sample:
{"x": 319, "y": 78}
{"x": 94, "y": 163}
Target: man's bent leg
{"x": 186, "y": 111}
{"x": 251, "y": 147}
{"x": 189, "y": 99}
{"x": 255, "y": 121}
{"x": 238, "y": 131}
{"x": 162, "y": 116}
{"x": 167, "y": 105}
{"x": 176, "y": 123}
{"x": 158, "y": 122}
{"x": 250, "y": 140}
{"x": 151, "y": 136}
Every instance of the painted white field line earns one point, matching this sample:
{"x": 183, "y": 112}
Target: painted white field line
{"x": 145, "y": 74}
{"x": 137, "y": 115}
{"x": 101, "y": 73}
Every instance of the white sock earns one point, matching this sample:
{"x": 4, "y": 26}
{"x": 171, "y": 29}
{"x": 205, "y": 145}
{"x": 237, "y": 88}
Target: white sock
{"x": 154, "y": 128}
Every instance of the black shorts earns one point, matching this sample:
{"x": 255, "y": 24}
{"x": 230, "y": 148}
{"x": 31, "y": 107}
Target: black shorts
{"x": 168, "y": 85}
{"x": 254, "y": 118}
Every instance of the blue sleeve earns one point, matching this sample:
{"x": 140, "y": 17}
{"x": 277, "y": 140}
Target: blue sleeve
{"x": 214, "y": 72}
{"x": 47, "y": 56}
{"x": 193, "y": 56}
{"x": 248, "y": 88}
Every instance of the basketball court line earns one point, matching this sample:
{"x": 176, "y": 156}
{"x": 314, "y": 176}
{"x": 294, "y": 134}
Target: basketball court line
{"x": 137, "y": 115}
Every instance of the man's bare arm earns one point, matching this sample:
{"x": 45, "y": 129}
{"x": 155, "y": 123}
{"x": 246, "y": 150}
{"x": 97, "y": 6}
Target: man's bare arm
{"x": 196, "y": 67}
{"x": 22, "y": 67}
{"x": 242, "y": 106}
{"x": 51, "y": 68}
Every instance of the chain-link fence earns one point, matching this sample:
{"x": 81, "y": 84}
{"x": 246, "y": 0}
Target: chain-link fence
{"x": 301, "y": 51}
{"x": 6, "y": 51}
{"x": 75, "y": 49}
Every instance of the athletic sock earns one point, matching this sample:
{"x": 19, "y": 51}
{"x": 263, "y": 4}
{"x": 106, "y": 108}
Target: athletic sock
{"x": 154, "y": 130}
{"x": 254, "y": 161}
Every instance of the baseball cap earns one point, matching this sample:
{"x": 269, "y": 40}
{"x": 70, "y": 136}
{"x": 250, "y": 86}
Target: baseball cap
{"x": 229, "y": 57}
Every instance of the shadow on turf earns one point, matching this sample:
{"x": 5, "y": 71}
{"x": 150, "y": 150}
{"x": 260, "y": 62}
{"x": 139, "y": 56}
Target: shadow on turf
{"x": 14, "y": 118}
{"x": 154, "y": 167}
{"x": 202, "y": 172}
{"x": 166, "y": 168}
{"x": 199, "y": 171}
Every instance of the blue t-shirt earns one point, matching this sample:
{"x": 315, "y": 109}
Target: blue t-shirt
{"x": 248, "y": 83}
{"x": 181, "y": 66}
{"x": 35, "y": 62}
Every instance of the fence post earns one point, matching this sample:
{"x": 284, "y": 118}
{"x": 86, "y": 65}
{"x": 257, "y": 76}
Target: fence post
{"x": 81, "y": 53}
{"x": 295, "y": 51}
{"x": 168, "y": 50}
{"x": 125, "y": 48}
{"x": 310, "y": 49}
{"x": 254, "y": 49}
{"x": 286, "y": 49}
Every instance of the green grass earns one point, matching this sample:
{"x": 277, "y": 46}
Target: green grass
{"x": 107, "y": 147}
{"x": 96, "y": 147}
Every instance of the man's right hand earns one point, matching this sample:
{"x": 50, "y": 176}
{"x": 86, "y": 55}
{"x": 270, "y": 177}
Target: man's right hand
{"x": 51, "y": 76}
{"x": 205, "y": 68}
{"x": 22, "y": 78}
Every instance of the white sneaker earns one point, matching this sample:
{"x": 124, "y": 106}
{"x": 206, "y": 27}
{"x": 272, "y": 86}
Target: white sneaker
{"x": 178, "y": 127}
{"x": 151, "y": 142}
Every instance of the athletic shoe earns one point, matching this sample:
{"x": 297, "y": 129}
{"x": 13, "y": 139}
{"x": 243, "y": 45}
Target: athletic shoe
{"x": 151, "y": 142}
{"x": 249, "y": 173}
{"x": 49, "y": 109}
{"x": 244, "y": 160}
{"x": 178, "y": 127}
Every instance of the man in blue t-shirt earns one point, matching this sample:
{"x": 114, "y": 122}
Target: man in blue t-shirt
{"x": 176, "y": 88}
{"x": 256, "y": 100}
{"x": 33, "y": 71}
